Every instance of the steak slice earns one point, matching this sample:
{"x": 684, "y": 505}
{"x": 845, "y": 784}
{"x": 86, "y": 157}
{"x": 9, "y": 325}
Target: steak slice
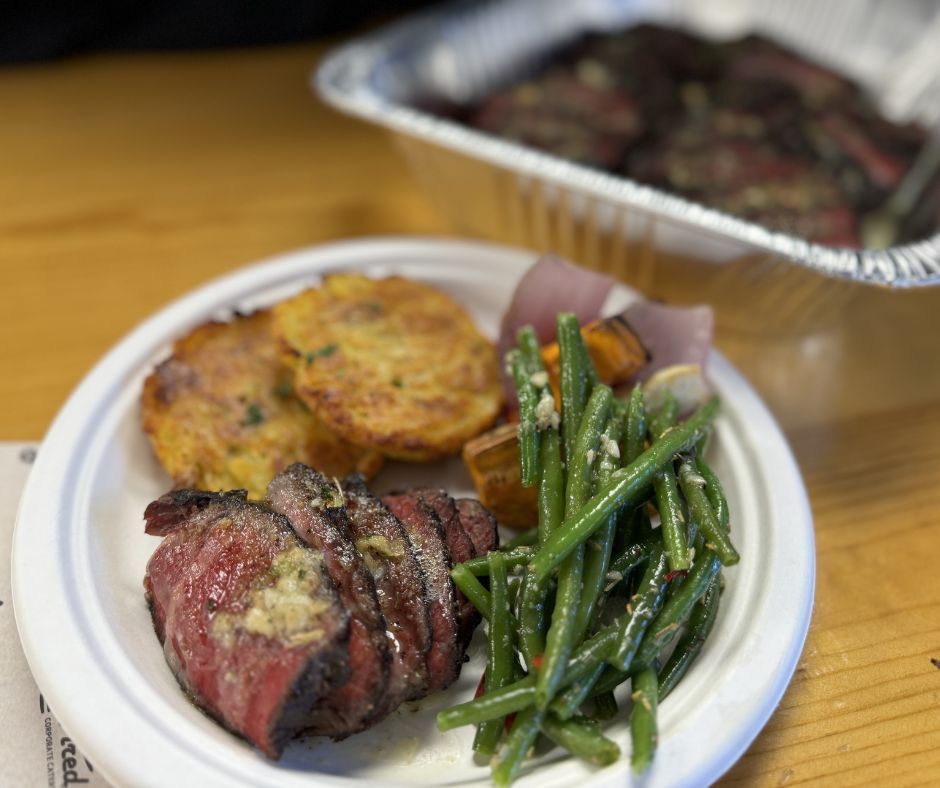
{"x": 480, "y": 525}
{"x": 315, "y": 507}
{"x": 427, "y": 535}
{"x": 399, "y": 582}
{"x": 250, "y": 622}
{"x": 460, "y": 547}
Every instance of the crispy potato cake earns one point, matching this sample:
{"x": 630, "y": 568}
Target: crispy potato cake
{"x": 221, "y": 413}
{"x": 391, "y": 364}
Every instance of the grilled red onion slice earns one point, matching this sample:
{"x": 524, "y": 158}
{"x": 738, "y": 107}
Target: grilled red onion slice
{"x": 671, "y": 334}
{"x": 551, "y": 286}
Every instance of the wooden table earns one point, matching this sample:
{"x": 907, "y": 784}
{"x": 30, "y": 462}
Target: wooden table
{"x": 127, "y": 180}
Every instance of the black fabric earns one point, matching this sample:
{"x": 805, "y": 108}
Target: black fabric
{"x": 31, "y": 31}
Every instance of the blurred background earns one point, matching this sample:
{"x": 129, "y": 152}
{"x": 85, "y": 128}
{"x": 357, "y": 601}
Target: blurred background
{"x": 147, "y": 147}
{"x": 41, "y": 31}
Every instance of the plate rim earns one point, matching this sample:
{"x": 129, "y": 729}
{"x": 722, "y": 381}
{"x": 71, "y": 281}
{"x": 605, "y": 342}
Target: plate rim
{"x": 30, "y": 558}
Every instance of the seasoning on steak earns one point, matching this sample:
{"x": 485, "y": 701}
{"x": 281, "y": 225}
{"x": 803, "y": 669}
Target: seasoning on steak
{"x": 479, "y": 523}
{"x": 399, "y": 583}
{"x": 315, "y": 507}
{"x": 250, "y": 622}
{"x": 426, "y": 533}
{"x": 460, "y": 548}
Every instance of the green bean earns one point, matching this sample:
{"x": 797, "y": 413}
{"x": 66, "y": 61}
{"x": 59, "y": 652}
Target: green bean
{"x": 635, "y": 433}
{"x": 610, "y": 680}
{"x": 527, "y": 432}
{"x": 531, "y": 352}
{"x": 532, "y": 614}
{"x": 668, "y": 503}
{"x": 624, "y": 488}
{"x": 572, "y": 382}
{"x": 642, "y": 609}
{"x": 672, "y": 519}
{"x": 521, "y": 694}
{"x": 521, "y": 737}
{"x": 713, "y": 490}
{"x": 551, "y": 479}
{"x": 472, "y": 589}
{"x": 603, "y": 680}
{"x": 634, "y": 555}
{"x": 500, "y": 652}
{"x": 581, "y": 468}
{"x": 621, "y": 407}
{"x": 664, "y": 418}
{"x": 605, "y": 706}
{"x": 513, "y": 556}
{"x": 568, "y": 701}
{"x": 716, "y": 537}
{"x": 551, "y": 498}
{"x": 510, "y": 699}
{"x": 583, "y": 738}
{"x": 560, "y": 639}
{"x": 634, "y": 441}
{"x": 533, "y": 599}
{"x": 643, "y": 720}
{"x": 523, "y": 539}
{"x": 621, "y": 565}
{"x": 600, "y": 546}
{"x": 594, "y": 576}
{"x": 515, "y": 583}
{"x": 701, "y": 621}
{"x": 592, "y": 651}
{"x": 677, "y": 607}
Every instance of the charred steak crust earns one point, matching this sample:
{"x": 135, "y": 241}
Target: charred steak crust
{"x": 259, "y": 651}
{"x": 427, "y": 535}
{"x": 176, "y": 508}
{"x": 315, "y": 507}
{"x": 479, "y": 523}
{"x": 390, "y": 556}
{"x": 460, "y": 547}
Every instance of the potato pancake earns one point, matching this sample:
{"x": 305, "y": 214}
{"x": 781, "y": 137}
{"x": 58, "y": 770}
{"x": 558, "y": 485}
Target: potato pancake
{"x": 391, "y": 364}
{"x": 221, "y": 413}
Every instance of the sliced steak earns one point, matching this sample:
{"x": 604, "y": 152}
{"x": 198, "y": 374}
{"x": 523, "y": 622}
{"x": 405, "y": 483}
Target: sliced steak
{"x": 460, "y": 547}
{"x": 399, "y": 581}
{"x": 249, "y": 619}
{"x": 427, "y": 535}
{"x": 479, "y": 523}
{"x": 315, "y": 507}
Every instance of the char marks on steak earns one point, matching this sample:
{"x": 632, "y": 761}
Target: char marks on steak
{"x": 399, "y": 581}
{"x": 460, "y": 547}
{"x": 426, "y": 533}
{"x": 315, "y": 507}
{"x": 479, "y": 523}
{"x": 250, "y": 622}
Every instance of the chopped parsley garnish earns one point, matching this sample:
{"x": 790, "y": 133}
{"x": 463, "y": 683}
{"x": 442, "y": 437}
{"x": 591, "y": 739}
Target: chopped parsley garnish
{"x": 323, "y": 352}
{"x": 398, "y": 383}
{"x": 282, "y": 390}
{"x": 253, "y": 416}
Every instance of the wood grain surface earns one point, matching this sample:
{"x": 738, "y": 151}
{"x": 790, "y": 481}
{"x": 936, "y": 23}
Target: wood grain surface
{"x": 126, "y": 180}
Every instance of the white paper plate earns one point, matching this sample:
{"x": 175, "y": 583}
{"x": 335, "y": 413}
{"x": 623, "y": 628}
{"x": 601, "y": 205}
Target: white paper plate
{"x": 80, "y": 552}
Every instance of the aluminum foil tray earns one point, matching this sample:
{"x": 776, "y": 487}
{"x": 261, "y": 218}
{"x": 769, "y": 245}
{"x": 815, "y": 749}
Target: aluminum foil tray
{"x": 666, "y": 245}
